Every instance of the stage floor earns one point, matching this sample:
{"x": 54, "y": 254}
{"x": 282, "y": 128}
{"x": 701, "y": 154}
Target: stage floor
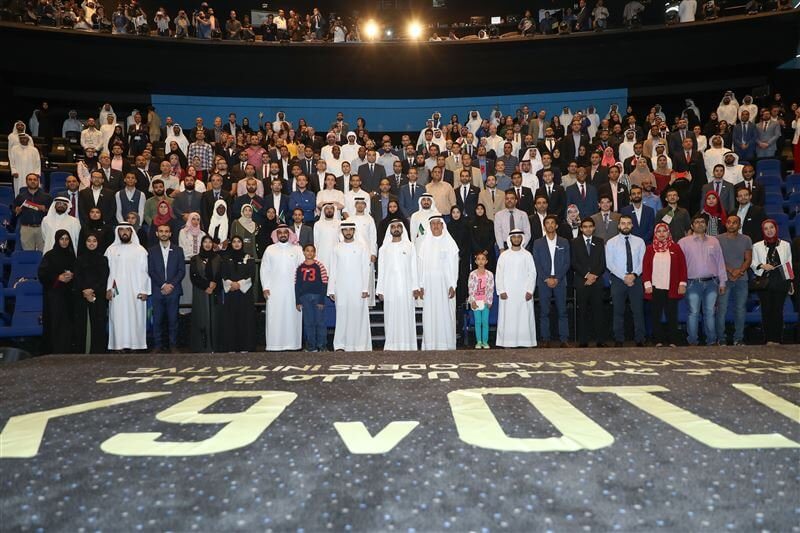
{"x": 500, "y": 440}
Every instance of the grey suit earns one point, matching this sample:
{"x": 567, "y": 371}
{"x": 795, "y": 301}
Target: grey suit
{"x": 600, "y": 229}
{"x": 726, "y": 196}
{"x": 769, "y": 135}
{"x": 306, "y": 235}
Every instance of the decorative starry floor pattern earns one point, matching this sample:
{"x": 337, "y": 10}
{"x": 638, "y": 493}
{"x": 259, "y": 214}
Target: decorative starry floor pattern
{"x": 299, "y": 475}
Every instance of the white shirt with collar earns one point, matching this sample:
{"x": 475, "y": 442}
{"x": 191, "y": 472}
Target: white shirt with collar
{"x": 165, "y": 255}
{"x": 551, "y": 245}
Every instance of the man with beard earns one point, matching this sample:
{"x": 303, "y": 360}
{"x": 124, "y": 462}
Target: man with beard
{"x": 515, "y": 282}
{"x": 624, "y": 256}
{"x": 127, "y": 290}
{"x": 58, "y": 218}
{"x": 348, "y": 286}
{"x": 398, "y": 287}
{"x": 326, "y": 234}
{"x": 438, "y": 269}
{"x": 187, "y": 201}
{"x": 284, "y": 326}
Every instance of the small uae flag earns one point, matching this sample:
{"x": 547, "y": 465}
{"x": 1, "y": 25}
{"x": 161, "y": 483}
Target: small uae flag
{"x": 114, "y": 289}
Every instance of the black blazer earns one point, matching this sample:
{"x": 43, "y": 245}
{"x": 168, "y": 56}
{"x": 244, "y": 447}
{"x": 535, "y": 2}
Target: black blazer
{"x": 628, "y": 164}
{"x": 557, "y": 202}
{"x": 468, "y": 207}
{"x": 142, "y": 182}
{"x": 622, "y": 195}
{"x": 568, "y": 147}
{"x": 207, "y": 205}
{"x": 114, "y": 181}
{"x": 676, "y": 144}
{"x": 105, "y": 202}
{"x": 751, "y": 225}
{"x": 583, "y": 263}
{"x": 526, "y": 200}
{"x": 371, "y": 180}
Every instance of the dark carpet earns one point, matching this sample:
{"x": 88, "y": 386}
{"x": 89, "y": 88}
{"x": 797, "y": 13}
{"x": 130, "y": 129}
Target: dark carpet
{"x": 700, "y": 440}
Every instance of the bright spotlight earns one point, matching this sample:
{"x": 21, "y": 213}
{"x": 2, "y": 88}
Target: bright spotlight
{"x": 371, "y": 29}
{"x": 388, "y": 33}
{"x": 414, "y": 30}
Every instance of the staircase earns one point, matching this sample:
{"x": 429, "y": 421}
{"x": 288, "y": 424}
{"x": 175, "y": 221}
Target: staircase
{"x": 376, "y": 322}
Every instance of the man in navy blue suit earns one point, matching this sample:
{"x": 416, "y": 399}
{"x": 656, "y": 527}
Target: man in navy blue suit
{"x": 165, "y": 265}
{"x": 466, "y": 194}
{"x": 551, "y": 255}
{"x": 644, "y": 218}
{"x": 583, "y": 195}
{"x": 410, "y": 193}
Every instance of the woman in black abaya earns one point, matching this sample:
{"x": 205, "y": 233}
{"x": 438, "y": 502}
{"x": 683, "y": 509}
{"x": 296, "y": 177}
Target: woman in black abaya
{"x": 89, "y": 289}
{"x": 56, "y": 273}
{"x": 483, "y": 236}
{"x": 238, "y": 273}
{"x": 205, "y": 270}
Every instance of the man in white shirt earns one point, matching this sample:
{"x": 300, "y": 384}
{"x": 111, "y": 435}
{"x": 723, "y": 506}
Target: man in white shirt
{"x": 91, "y": 136}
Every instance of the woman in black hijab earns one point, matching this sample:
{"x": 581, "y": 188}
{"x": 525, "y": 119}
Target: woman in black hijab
{"x": 264, "y": 237}
{"x": 89, "y": 290}
{"x": 94, "y": 225}
{"x": 483, "y": 236}
{"x": 238, "y": 274}
{"x": 392, "y": 211}
{"x": 459, "y": 229}
{"x": 118, "y": 137}
{"x": 205, "y": 270}
{"x": 56, "y": 273}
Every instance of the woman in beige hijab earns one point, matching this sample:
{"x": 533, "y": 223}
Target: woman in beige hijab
{"x": 640, "y": 171}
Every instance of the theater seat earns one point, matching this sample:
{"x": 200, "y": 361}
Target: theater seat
{"x": 792, "y": 184}
{"x": 768, "y": 166}
{"x": 6, "y": 195}
{"x": 58, "y": 181}
{"x": 27, "y": 318}
{"x": 24, "y": 264}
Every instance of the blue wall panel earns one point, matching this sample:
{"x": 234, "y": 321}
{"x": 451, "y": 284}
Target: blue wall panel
{"x": 381, "y": 115}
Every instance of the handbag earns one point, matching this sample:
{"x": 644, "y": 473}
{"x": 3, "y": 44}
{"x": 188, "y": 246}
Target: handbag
{"x": 759, "y": 283}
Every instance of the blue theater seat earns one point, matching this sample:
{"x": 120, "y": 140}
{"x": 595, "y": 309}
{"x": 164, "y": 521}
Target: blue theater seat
{"x": 27, "y": 318}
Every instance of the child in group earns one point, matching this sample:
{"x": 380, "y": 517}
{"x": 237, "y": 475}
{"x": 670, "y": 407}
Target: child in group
{"x": 310, "y": 290}
{"x": 481, "y": 295}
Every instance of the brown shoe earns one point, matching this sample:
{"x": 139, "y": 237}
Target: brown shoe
{"x": 545, "y": 344}
{"x": 565, "y": 345}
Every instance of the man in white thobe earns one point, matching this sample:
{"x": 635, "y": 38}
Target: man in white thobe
{"x": 348, "y": 280}
{"x": 284, "y": 324}
{"x": 59, "y": 218}
{"x": 24, "y": 159}
{"x": 368, "y": 234}
{"x": 397, "y": 288}
{"x": 127, "y": 290}
{"x": 326, "y": 234}
{"x": 438, "y": 278}
{"x": 515, "y": 282}
{"x": 420, "y": 220}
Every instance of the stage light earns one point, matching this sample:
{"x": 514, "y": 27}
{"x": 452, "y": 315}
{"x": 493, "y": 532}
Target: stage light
{"x": 371, "y": 29}
{"x": 389, "y": 33}
{"x": 414, "y": 30}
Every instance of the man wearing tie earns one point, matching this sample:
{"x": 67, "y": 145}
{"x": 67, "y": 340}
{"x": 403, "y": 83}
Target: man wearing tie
{"x": 523, "y": 194}
{"x": 70, "y": 192}
{"x": 491, "y": 197}
{"x": 615, "y": 190}
{"x": 724, "y": 190}
{"x": 97, "y": 195}
{"x": 371, "y": 172}
{"x": 588, "y": 267}
{"x": 748, "y": 182}
{"x": 309, "y": 163}
{"x": 744, "y": 138}
{"x": 213, "y": 193}
{"x": 510, "y": 218}
{"x": 397, "y": 179}
{"x": 142, "y": 174}
{"x": 467, "y": 194}
{"x": 624, "y": 256}
{"x": 676, "y": 138}
{"x": 605, "y": 221}
{"x": 409, "y": 157}
{"x": 767, "y": 134}
{"x": 583, "y": 195}
{"x": 410, "y": 193}
{"x": 166, "y": 268}
{"x": 556, "y": 197}
{"x": 643, "y": 217}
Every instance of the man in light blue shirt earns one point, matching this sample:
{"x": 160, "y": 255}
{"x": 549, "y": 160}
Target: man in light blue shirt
{"x": 624, "y": 256}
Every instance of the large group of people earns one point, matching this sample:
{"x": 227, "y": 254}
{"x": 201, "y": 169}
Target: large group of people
{"x": 465, "y": 216}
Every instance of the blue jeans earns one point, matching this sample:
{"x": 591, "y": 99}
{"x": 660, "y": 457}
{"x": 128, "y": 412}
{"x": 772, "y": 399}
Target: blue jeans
{"x": 702, "y": 295}
{"x": 559, "y": 294}
{"x": 620, "y": 293}
{"x": 738, "y": 291}
{"x": 481, "y": 317}
{"x": 314, "y": 331}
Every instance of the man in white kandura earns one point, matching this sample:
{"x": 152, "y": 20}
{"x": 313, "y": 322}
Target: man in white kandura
{"x": 397, "y": 288}
{"x": 515, "y": 281}
{"x": 326, "y": 234}
{"x": 348, "y": 286}
{"x": 367, "y": 233}
{"x": 420, "y": 220}
{"x": 127, "y": 290}
{"x": 58, "y": 218}
{"x": 284, "y": 325}
{"x": 438, "y": 277}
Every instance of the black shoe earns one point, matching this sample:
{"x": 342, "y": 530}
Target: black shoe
{"x": 602, "y": 345}
{"x": 640, "y": 344}
{"x": 564, "y": 345}
{"x": 584, "y": 345}
{"x": 546, "y": 344}
{"x": 617, "y": 344}
{"x": 155, "y": 350}
{"x": 174, "y": 349}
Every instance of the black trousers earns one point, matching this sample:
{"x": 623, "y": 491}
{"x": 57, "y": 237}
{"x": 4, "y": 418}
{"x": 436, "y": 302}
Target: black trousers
{"x": 663, "y": 304}
{"x": 772, "y": 313}
{"x": 589, "y": 300}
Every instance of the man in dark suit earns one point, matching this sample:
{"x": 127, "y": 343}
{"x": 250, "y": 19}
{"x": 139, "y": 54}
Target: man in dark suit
{"x": 467, "y": 194}
{"x": 618, "y": 200}
{"x": 677, "y": 137}
{"x": 198, "y": 126}
{"x": 724, "y": 190}
{"x": 231, "y": 127}
{"x": 524, "y": 194}
{"x": 214, "y": 192}
{"x": 410, "y": 193}
{"x": 309, "y": 162}
{"x": 588, "y": 266}
{"x": 630, "y": 163}
{"x": 277, "y": 199}
{"x": 379, "y": 203}
{"x": 551, "y": 280}
{"x": 598, "y": 175}
{"x": 583, "y": 195}
{"x": 371, "y": 173}
{"x": 749, "y": 183}
{"x": 537, "y": 220}
{"x": 398, "y": 178}
{"x": 556, "y": 197}
{"x": 408, "y": 158}
{"x": 112, "y": 178}
{"x": 572, "y": 141}
{"x": 750, "y": 215}
{"x": 549, "y": 143}
{"x": 305, "y": 235}
{"x": 97, "y": 195}
{"x": 142, "y": 173}
{"x": 745, "y": 136}
{"x": 644, "y": 218}
{"x": 165, "y": 266}
{"x": 227, "y": 149}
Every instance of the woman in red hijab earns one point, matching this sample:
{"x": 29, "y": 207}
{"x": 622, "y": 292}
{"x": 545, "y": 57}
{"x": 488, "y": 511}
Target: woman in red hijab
{"x": 164, "y": 215}
{"x": 665, "y": 279}
{"x": 772, "y": 258}
{"x": 716, "y": 213}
